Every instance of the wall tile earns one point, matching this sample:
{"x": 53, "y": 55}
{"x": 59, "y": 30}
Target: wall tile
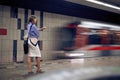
{"x": 11, "y": 45}
{"x": 1, "y": 21}
{"x": 29, "y": 13}
{"x": 18, "y": 35}
{"x": 5, "y": 45}
{"x": 5, "y": 57}
{"x": 21, "y": 16}
{"x": 1, "y": 10}
{"x": 41, "y": 35}
{"x": 22, "y": 34}
{"x": 20, "y": 56}
{"x": 0, "y": 46}
{"x": 26, "y": 17}
{"x": 37, "y": 13}
{"x": 6, "y": 22}
{"x": 20, "y": 45}
{"x": 13, "y": 24}
{"x": 15, "y": 34}
{"x": 19, "y": 23}
{"x": 14, "y": 12}
{"x": 20, "y": 13}
{"x": 11, "y": 34}
{"x": 6, "y": 11}
{"x": 32, "y": 12}
{"x": 10, "y": 57}
{"x": 22, "y": 24}
{"x": 15, "y": 50}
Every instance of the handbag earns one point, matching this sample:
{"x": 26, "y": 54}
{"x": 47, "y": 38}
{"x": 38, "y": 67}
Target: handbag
{"x": 25, "y": 44}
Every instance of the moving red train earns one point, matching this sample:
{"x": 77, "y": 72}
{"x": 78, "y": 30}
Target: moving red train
{"x": 91, "y": 39}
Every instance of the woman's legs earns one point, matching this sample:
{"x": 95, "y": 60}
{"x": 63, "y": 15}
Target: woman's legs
{"x": 38, "y": 64}
{"x": 29, "y": 64}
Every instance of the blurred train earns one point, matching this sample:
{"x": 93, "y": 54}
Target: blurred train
{"x": 90, "y": 39}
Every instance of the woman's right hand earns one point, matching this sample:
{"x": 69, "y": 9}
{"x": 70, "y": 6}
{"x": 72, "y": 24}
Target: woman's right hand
{"x": 25, "y": 37}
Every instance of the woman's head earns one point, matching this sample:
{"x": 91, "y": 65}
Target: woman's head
{"x": 33, "y": 19}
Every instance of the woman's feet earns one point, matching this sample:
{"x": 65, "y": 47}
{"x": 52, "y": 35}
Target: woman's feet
{"x": 30, "y": 73}
{"x": 40, "y": 71}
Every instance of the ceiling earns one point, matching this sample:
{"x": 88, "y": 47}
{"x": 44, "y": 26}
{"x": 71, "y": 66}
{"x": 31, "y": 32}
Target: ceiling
{"x": 111, "y": 2}
{"x": 77, "y": 8}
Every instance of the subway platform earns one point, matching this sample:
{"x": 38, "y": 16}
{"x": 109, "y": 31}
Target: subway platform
{"x": 63, "y": 69}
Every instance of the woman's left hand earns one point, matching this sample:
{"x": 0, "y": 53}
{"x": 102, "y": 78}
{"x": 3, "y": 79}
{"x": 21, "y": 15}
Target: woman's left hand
{"x": 44, "y": 27}
{"x": 40, "y": 29}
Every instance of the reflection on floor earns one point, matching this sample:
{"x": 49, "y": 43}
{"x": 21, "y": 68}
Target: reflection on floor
{"x": 17, "y": 72}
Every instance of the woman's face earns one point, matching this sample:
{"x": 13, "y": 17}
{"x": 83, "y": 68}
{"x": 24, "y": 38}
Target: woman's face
{"x": 34, "y": 21}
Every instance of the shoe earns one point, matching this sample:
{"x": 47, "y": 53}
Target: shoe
{"x": 30, "y": 73}
{"x": 40, "y": 71}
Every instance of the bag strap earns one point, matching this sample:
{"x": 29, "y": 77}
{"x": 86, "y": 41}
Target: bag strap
{"x": 30, "y": 27}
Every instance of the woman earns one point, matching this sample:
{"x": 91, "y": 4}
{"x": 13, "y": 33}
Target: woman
{"x": 34, "y": 51}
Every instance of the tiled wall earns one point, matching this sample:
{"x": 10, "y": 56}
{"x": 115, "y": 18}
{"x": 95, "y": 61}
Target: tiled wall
{"x": 15, "y": 19}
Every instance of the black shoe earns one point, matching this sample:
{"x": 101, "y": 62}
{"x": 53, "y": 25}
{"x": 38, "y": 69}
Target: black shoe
{"x": 30, "y": 73}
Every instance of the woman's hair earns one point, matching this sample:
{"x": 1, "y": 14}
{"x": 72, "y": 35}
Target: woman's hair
{"x": 31, "y": 18}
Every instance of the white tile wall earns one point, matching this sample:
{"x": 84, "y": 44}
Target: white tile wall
{"x": 22, "y": 24}
{"x": 10, "y": 58}
{"x": 21, "y": 12}
{"x": 1, "y": 10}
{"x": 11, "y": 35}
{"x": 50, "y": 36}
{"x": 18, "y": 33}
{"x": 6, "y": 22}
{"x": 0, "y": 45}
{"x": 20, "y": 56}
{"x": 44, "y": 33}
{"x": 13, "y": 24}
{"x": 1, "y": 21}
{"x": 20, "y": 45}
{"x": 29, "y": 13}
{"x": 6, "y": 11}
{"x": 37, "y": 13}
{"x": 41, "y": 35}
{"x": 11, "y": 45}
{"x": 5, "y": 45}
{"x": 5, "y": 56}
{"x": 4, "y": 37}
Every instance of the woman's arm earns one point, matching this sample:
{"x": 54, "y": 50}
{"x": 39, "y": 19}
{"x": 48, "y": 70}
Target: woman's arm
{"x": 40, "y": 29}
{"x": 25, "y": 36}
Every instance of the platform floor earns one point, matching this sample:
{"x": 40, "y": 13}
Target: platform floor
{"x": 18, "y": 70}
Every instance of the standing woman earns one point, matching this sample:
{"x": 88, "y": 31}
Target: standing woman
{"x": 34, "y": 51}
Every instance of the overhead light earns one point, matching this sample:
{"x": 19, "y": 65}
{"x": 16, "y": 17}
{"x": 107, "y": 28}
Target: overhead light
{"x": 87, "y": 26}
{"x": 104, "y": 4}
{"x": 90, "y": 24}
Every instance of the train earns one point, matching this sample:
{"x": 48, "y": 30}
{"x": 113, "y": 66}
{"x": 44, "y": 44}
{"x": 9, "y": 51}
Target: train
{"x": 90, "y": 39}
